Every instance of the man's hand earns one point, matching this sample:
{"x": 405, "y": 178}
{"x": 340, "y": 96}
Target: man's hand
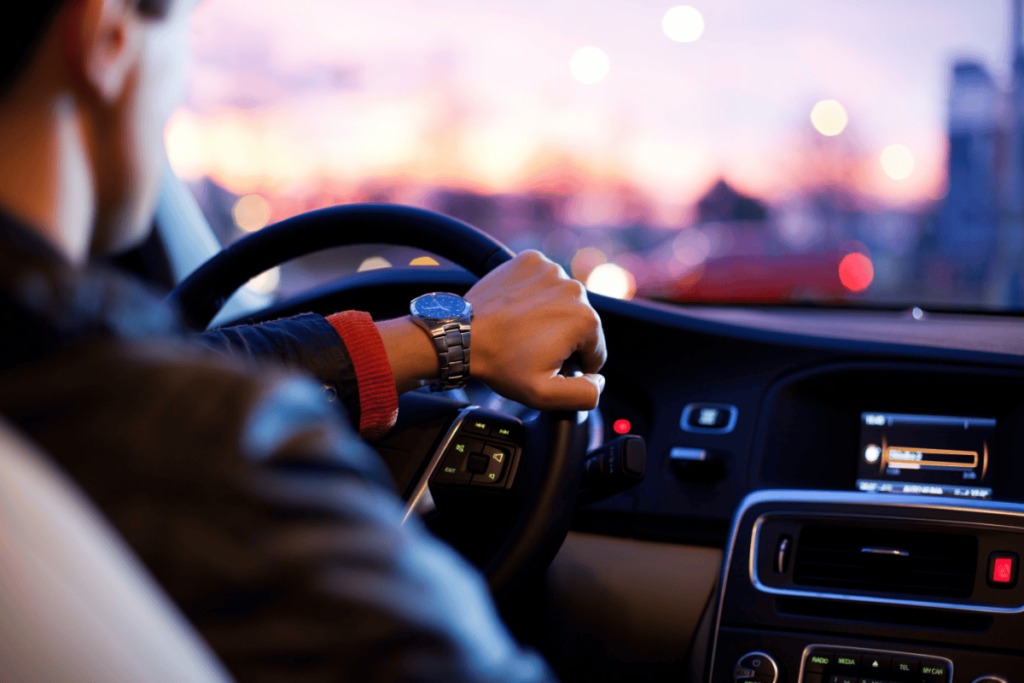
{"x": 528, "y": 318}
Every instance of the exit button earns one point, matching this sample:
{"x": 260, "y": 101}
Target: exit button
{"x": 1002, "y": 570}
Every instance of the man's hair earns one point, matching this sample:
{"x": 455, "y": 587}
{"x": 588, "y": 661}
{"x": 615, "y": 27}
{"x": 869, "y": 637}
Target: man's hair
{"x": 22, "y": 30}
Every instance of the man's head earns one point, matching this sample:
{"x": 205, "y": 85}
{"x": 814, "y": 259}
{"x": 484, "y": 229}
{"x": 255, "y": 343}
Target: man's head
{"x": 106, "y": 74}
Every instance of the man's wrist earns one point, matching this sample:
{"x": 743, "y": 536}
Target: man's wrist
{"x": 410, "y": 351}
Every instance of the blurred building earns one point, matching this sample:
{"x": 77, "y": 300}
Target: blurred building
{"x": 970, "y": 216}
{"x": 1005, "y": 286}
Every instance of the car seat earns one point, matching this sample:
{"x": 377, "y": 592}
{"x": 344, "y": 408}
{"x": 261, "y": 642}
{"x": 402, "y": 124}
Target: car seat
{"x": 75, "y": 602}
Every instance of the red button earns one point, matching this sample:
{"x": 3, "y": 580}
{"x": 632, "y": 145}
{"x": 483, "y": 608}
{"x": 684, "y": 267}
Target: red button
{"x": 1002, "y": 570}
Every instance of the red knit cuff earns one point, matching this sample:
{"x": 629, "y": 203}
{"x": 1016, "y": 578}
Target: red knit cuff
{"x": 378, "y": 398}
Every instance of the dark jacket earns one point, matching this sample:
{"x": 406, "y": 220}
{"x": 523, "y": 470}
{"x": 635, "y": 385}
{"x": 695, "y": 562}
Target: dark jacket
{"x": 245, "y": 492}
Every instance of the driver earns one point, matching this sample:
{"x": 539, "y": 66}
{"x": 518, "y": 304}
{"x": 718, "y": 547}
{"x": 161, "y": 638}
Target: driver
{"x": 273, "y": 527}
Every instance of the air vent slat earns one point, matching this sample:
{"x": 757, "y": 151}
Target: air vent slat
{"x": 933, "y": 564}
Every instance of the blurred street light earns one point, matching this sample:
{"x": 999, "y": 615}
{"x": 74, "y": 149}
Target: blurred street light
{"x": 829, "y": 118}
{"x": 683, "y": 24}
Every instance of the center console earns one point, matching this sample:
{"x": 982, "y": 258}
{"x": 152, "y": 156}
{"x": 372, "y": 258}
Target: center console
{"x": 883, "y": 541}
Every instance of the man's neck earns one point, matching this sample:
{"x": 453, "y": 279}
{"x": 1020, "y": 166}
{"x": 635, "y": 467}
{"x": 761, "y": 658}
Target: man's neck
{"x": 45, "y": 179}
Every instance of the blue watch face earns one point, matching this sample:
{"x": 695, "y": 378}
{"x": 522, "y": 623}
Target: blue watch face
{"x": 439, "y": 306}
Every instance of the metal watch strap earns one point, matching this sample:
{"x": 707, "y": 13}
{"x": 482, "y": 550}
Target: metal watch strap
{"x": 452, "y": 344}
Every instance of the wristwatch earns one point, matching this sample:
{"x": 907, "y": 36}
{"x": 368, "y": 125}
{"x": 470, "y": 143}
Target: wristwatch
{"x": 446, "y": 318}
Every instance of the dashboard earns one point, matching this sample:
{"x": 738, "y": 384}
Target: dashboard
{"x": 868, "y": 492}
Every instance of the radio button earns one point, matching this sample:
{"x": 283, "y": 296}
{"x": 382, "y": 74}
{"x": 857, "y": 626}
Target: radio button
{"x": 819, "y": 661}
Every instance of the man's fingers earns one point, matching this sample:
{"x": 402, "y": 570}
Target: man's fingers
{"x": 593, "y": 353}
{"x": 570, "y": 393}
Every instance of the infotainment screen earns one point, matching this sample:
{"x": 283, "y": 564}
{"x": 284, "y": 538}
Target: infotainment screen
{"x": 925, "y": 454}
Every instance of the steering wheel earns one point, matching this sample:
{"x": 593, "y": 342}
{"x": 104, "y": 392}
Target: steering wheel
{"x": 532, "y": 513}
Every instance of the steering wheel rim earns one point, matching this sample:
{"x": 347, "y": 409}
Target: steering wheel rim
{"x": 205, "y": 291}
{"x": 542, "y": 527}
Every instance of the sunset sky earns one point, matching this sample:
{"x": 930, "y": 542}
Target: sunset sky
{"x": 290, "y": 95}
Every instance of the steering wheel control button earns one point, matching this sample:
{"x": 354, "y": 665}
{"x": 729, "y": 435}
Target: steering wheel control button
{"x": 709, "y": 418}
{"x": 819, "y": 661}
{"x": 476, "y": 463}
{"x": 495, "y": 460}
{"x": 502, "y": 432}
{"x": 477, "y": 426}
{"x": 1002, "y": 570}
{"x": 454, "y": 466}
{"x": 755, "y": 667}
{"x": 902, "y": 665}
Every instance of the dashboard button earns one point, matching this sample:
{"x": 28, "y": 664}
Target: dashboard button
{"x": 875, "y": 664}
{"x": 1002, "y": 570}
{"x": 903, "y": 665}
{"x": 819, "y": 661}
{"x": 811, "y": 677}
{"x": 712, "y": 418}
{"x": 843, "y": 678}
{"x": 755, "y": 667}
{"x": 761, "y": 665}
{"x": 934, "y": 672}
{"x": 847, "y": 660}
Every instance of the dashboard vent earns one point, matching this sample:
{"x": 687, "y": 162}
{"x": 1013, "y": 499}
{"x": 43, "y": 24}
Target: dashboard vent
{"x": 886, "y": 560}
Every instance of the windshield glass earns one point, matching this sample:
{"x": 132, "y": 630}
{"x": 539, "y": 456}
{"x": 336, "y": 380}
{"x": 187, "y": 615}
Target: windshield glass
{"x": 746, "y": 151}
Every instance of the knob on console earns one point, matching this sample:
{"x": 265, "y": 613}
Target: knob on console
{"x": 757, "y": 667}
{"x": 990, "y": 679}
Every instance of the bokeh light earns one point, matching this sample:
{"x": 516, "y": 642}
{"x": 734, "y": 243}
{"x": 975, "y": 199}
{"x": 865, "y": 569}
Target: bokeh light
{"x": 585, "y": 261}
{"x": 611, "y": 279}
{"x": 251, "y": 213}
{"x": 621, "y": 426}
{"x": 589, "y": 65}
{"x": 856, "y": 272}
{"x": 683, "y": 24}
{"x": 829, "y": 118}
{"x": 266, "y": 282}
{"x": 691, "y": 247}
{"x": 897, "y": 162}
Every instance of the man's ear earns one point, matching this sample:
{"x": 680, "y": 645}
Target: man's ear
{"x": 103, "y": 45}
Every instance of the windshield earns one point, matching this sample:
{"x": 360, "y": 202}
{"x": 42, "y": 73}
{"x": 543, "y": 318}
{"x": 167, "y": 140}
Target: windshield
{"x": 746, "y": 151}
